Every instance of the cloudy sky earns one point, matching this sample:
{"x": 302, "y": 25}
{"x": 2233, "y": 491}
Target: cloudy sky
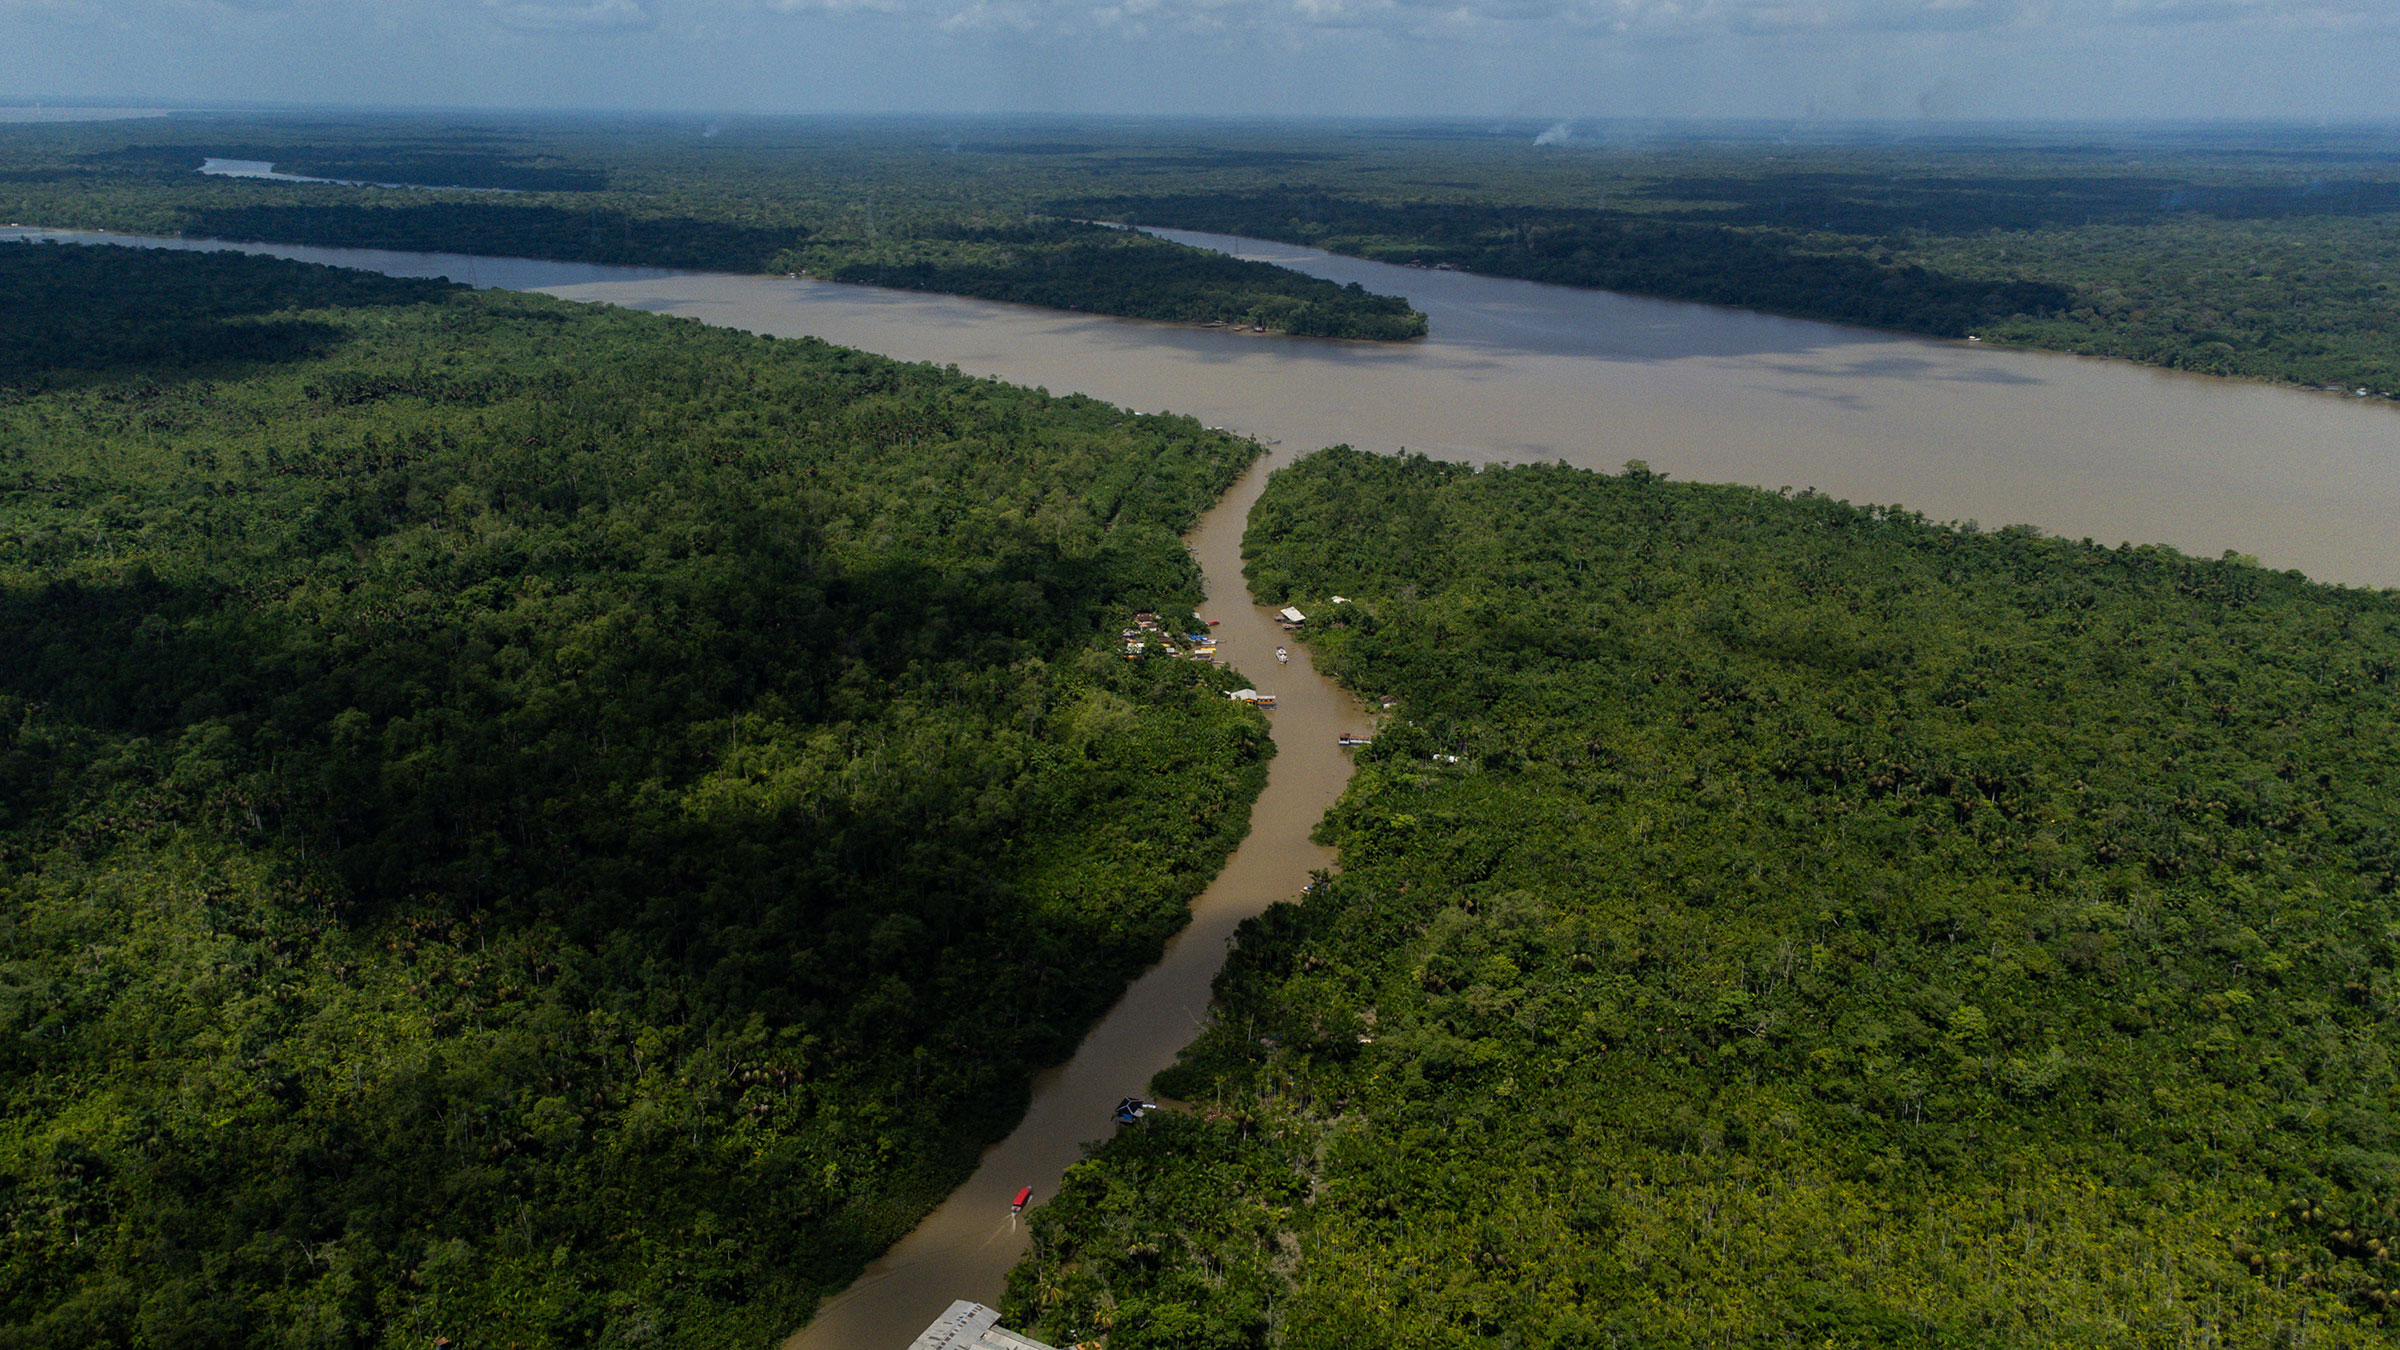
{"x": 1802, "y": 59}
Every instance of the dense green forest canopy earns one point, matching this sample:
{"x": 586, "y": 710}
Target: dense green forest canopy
{"x": 547, "y": 825}
{"x": 1771, "y": 921}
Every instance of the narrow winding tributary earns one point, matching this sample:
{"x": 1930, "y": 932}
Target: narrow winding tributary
{"x": 965, "y": 1247}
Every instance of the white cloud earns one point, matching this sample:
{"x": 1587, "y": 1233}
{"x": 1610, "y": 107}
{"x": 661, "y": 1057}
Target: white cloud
{"x": 837, "y": 7}
{"x": 984, "y": 16}
{"x": 596, "y": 16}
{"x": 1836, "y": 58}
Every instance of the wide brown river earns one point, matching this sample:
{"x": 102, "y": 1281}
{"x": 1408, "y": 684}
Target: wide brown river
{"x": 1518, "y": 371}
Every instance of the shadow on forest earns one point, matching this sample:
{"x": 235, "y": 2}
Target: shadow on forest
{"x": 546, "y": 786}
{"x": 68, "y": 308}
{"x": 489, "y": 229}
{"x": 423, "y": 758}
{"x": 842, "y": 919}
{"x": 657, "y": 841}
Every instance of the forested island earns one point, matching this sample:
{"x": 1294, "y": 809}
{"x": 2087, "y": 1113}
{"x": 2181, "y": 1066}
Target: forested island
{"x": 1072, "y": 264}
{"x": 1768, "y": 920}
{"x": 546, "y": 825}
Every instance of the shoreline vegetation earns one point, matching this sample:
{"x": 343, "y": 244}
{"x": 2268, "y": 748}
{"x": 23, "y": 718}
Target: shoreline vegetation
{"x": 1081, "y": 265}
{"x": 1766, "y": 917}
{"x": 2186, "y": 292}
{"x": 564, "y": 213}
{"x": 535, "y": 822}
{"x": 2247, "y": 252}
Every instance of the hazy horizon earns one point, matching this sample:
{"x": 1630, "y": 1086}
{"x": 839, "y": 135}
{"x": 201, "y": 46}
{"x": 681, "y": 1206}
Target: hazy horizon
{"x": 70, "y": 108}
{"x": 1814, "y": 61}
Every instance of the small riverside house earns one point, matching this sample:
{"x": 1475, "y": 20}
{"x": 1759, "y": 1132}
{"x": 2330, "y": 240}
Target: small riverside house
{"x": 971, "y": 1326}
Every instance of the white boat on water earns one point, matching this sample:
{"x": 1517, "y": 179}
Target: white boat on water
{"x": 1282, "y": 657}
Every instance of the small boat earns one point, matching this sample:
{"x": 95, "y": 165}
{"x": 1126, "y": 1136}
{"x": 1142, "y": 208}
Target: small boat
{"x": 1131, "y": 1110}
{"x": 1282, "y": 657}
{"x": 1346, "y": 739}
{"x": 1024, "y": 1198}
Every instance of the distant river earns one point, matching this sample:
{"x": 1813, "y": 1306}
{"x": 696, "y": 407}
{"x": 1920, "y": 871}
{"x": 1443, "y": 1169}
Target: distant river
{"x": 265, "y": 169}
{"x": 259, "y": 168}
{"x": 1520, "y": 371}
{"x": 38, "y": 113}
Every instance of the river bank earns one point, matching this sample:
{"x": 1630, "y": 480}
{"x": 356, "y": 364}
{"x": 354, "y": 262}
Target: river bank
{"x": 1519, "y": 371}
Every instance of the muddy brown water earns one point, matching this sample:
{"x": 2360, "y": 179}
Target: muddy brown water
{"x": 1519, "y": 371}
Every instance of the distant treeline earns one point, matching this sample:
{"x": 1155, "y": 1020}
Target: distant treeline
{"x": 1879, "y": 204}
{"x": 1645, "y": 254}
{"x": 433, "y": 166}
{"x": 559, "y": 210}
{"x": 504, "y": 228}
{"x": 441, "y": 168}
{"x": 2231, "y": 252}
